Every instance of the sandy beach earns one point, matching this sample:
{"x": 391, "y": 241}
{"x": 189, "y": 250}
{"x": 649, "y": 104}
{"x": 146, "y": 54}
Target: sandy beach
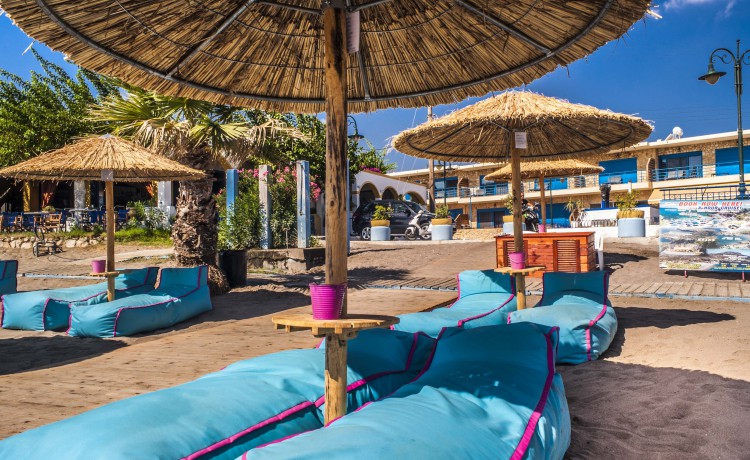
{"x": 674, "y": 384}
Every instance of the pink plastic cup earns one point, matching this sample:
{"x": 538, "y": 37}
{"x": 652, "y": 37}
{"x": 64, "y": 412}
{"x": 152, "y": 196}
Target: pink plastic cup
{"x": 327, "y": 300}
{"x": 98, "y": 266}
{"x": 542, "y": 228}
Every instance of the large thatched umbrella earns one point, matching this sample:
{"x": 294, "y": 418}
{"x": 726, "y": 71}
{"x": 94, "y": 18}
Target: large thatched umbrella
{"x": 543, "y": 169}
{"x": 515, "y": 124}
{"x": 291, "y": 55}
{"x": 106, "y": 158}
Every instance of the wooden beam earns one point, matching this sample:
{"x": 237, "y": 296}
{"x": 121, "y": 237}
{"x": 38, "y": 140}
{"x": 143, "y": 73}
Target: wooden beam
{"x": 334, "y": 34}
{"x": 515, "y": 162}
{"x": 109, "y": 197}
{"x": 335, "y": 378}
{"x": 542, "y": 201}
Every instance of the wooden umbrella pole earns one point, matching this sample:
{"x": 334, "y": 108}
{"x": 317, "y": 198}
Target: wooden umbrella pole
{"x": 515, "y": 161}
{"x": 542, "y": 201}
{"x": 109, "y": 196}
{"x": 334, "y": 31}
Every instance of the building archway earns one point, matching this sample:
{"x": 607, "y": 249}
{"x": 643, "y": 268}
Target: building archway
{"x": 367, "y": 193}
{"x": 390, "y": 194}
{"x": 415, "y": 197}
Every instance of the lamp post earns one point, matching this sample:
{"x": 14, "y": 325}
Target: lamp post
{"x": 354, "y": 139}
{"x": 712, "y": 76}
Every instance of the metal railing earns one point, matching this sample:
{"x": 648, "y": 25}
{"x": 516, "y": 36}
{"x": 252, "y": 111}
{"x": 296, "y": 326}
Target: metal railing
{"x": 719, "y": 192}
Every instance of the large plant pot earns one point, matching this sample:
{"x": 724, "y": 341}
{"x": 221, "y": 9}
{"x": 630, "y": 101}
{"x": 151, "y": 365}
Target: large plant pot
{"x": 442, "y": 232}
{"x": 632, "y": 227}
{"x": 508, "y": 228}
{"x": 380, "y": 234}
{"x": 234, "y": 265}
{"x": 327, "y": 300}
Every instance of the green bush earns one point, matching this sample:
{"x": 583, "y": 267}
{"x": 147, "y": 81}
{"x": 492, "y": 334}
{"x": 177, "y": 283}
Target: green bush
{"x": 381, "y": 213}
{"x": 442, "y": 212}
{"x": 142, "y": 235}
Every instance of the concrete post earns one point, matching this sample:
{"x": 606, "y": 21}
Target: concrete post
{"x": 303, "y": 204}
{"x": 79, "y": 194}
{"x": 265, "y": 206}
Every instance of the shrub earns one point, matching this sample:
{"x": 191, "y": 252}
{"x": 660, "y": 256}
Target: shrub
{"x": 381, "y": 213}
{"x": 626, "y": 206}
{"x": 442, "y": 212}
{"x": 143, "y": 235}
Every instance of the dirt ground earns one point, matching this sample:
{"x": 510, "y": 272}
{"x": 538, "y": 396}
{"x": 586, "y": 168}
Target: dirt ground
{"x": 675, "y": 384}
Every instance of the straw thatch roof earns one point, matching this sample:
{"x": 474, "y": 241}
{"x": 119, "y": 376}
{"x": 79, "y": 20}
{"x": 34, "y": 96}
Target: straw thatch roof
{"x": 87, "y": 158}
{"x": 555, "y": 129}
{"x": 268, "y": 54}
{"x": 537, "y": 169}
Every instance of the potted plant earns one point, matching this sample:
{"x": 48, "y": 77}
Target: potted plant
{"x": 630, "y": 221}
{"x": 237, "y": 233}
{"x": 508, "y": 220}
{"x": 576, "y": 210}
{"x": 380, "y": 225}
{"x": 442, "y": 224}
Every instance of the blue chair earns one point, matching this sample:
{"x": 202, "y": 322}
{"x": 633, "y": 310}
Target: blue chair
{"x": 484, "y": 299}
{"x": 181, "y": 294}
{"x": 50, "y": 309}
{"x": 578, "y": 304}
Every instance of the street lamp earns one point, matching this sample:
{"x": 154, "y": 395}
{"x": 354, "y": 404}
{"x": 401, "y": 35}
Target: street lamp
{"x": 712, "y": 76}
{"x": 356, "y": 137}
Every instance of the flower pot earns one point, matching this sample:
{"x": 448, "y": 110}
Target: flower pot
{"x": 442, "y": 232}
{"x": 442, "y": 221}
{"x": 327, "y": 300}
{"x": 507, "y": 219}
{"x": 234, "y": 265}
{"x": 380, "y": 223}
{"x": 517, "y": 260}
{"x": 542, "y": 228}
{"x": 631, "y": 228}
{"x": 98, "y": 266}
{"x": 380, "y": 233}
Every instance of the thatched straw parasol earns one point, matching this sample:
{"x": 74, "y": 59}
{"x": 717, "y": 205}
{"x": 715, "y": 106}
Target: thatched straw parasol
{"x": 544, "y": 169}
{"x": 109, "y": 159}
{"x": 516, "y": 124}
{"x": 291, "y": 55}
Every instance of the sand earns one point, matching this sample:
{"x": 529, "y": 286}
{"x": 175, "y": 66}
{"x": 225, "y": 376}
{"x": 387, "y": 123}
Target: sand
{"x": 674, "y": 385}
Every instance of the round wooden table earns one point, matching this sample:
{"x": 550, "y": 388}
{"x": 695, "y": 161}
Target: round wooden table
{"x": 110, "y": 281}
{"x": 336, "y": 333}
{"x": 520, "y": 275}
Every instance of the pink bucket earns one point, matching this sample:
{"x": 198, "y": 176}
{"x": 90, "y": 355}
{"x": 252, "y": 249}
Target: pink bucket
{"x": 327, "y": 300}
{"x": 517, "y": 260}
{"x": 98, "y": 266}
{"x": 542, "y": 228}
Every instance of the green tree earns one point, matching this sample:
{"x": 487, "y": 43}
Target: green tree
{"x": 194, "y": 133}
{"x": 48, "y": 110}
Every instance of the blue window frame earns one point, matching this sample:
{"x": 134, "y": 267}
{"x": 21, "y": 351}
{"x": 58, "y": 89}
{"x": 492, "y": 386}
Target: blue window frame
{"x": 490, "y": 218}
{"x": 552, "y": 184}
{"x": 449, "y": 187}
{"x": 619, "y": 171}
{"x": 492, "y": 187}
{"x": 728, "y": 161}
{"x": 680, "y": 166}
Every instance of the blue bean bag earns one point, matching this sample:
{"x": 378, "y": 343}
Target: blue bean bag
{"x": 489, "y": 393}
{"x": 484, "y": 299}
{"x": 182, "y": 293}
{"x": 50, "y": 309}
{"x": 578, "y": 304}
{"x": 8, "y": 276}
{"x": 223, "y": 414}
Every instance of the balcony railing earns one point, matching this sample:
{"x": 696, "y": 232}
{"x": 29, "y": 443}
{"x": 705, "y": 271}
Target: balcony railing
{"x": 595, "y": 180}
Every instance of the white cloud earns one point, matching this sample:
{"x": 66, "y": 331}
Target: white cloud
{"x": 678, "y": 4}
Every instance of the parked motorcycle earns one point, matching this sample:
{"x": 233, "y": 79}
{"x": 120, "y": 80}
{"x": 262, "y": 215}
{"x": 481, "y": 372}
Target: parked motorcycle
{"x": 419, "y": 227}
{"x": 531, "y": 216}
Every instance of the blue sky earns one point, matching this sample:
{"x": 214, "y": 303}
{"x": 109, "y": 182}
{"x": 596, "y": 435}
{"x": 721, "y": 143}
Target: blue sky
{"x": 651, "y": 72}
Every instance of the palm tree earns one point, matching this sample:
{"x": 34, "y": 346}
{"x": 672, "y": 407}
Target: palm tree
{"x": 193, "y": 133}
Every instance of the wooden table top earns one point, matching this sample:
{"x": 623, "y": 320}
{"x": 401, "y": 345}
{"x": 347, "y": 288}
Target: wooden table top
{"x": 351, "y": 324}
{"x": 523, "y": 271}
{"x": 108, "y": 274}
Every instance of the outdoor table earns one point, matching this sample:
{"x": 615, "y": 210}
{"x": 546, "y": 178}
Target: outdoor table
{"x": 110, "y": 281}
{"x": 520, "y": 275}
{"x": 336, "y": 333}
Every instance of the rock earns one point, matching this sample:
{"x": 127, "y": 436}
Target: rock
{"x": 70, "y": 243}
{"x": 26, "y": 245}
{"x": 84, "y": 244}
{"x": 93, "y": 242}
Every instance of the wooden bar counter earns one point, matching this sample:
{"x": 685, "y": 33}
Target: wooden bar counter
{"x": 555, "y": 251}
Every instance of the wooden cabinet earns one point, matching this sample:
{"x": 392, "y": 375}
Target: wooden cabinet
{"x": 556, "y": 251}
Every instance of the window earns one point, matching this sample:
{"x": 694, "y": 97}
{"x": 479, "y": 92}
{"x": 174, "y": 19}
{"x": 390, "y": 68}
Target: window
{"x": 619, "y": 171}
{"x": 680, "y": 166}
{"x": 728, "y": 161}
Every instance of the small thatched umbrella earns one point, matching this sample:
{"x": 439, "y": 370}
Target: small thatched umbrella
{"x": 106, "y": 158}
{"x": 544, "y": 169}
{"x": 516, "y": 124}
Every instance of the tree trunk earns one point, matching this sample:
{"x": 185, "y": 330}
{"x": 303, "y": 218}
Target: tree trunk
{"x": 195, "y": 230}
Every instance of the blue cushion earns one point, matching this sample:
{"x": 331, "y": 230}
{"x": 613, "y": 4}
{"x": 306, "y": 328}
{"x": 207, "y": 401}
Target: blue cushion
{"x": 585, "y": 316}
{"x": 223, "y": 414}
{"x": 480, "y": 398}
{"x": 50, "y": 309}
{"x": 165, "y": 306}
{"x": 472, "y": 282}
{"x": 8, "y": 276}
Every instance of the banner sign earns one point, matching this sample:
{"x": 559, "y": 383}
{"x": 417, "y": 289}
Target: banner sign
{"x": 704, "y": 235}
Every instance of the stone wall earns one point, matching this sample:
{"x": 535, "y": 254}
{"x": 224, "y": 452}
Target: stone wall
{"x": 27, "y": 242}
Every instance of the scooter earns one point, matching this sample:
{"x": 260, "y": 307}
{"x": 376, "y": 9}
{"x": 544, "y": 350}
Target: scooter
{"x": 419, "y": 227}
{"x": 531, "y": 217}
